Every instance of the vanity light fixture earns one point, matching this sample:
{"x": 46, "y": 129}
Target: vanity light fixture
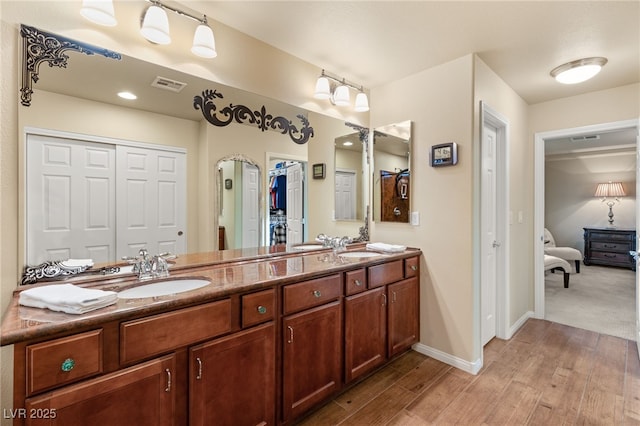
{"x": 155, "y": 24}
{"x": 99, "y": 12}
{"x": 578, "y": 71}
{"x": 338, "y": 92}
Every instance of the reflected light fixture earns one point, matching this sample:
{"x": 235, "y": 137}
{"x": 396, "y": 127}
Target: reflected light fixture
{"x": 578, "y": 71}
{"x": 339, "y": 92}
{"x": 607, "y": 191}
{"x": 155, "y": 25}
{"x": 99, "y": 12}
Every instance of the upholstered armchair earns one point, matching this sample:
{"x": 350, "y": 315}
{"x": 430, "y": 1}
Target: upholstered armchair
{"x": 573, "y": 256}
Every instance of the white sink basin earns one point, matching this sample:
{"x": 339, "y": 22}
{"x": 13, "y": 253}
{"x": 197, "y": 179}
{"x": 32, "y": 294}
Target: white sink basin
{"x": 163, "y": 288}
{"x": 359, "y": 254}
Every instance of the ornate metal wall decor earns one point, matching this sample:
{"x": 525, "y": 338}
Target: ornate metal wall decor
{"x": 55, "y": 269}
{"x": 363, "y": 135}
{"x": 243, "y": 115}
{"x": 40, "y": 46}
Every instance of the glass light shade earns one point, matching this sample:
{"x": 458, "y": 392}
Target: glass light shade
{"x": 578, "y": 71}
{"x": 341, "y": 96}
{"x": 99, "y": 12}
{"x": 204, "y": 44}
{"x": 155, "y": 26}
{"x": 610, "y": 190}
{"x": 323, "y": 90}
{"x": 362, "y": 102}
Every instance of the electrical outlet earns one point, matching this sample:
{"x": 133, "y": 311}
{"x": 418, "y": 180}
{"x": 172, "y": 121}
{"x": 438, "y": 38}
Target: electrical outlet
{"x": 415, "y": 218}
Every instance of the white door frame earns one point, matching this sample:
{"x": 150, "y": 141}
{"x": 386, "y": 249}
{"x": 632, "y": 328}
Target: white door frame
{"x": 491, "y": 117}
{"x": 538, "y": 206}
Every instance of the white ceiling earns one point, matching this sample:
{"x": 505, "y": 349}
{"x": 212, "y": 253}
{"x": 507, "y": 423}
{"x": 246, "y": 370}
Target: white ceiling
{"x": 376, "y": 42}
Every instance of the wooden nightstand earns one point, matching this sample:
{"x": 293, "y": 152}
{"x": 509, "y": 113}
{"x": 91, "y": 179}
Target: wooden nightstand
{"x": 609, "y": 247}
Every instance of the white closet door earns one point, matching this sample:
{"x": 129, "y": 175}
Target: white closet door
{"x": 294, "y": 204}
{"x": 250, "y": 205}
{"x": 70, "y": 200}
{"x": 151, "y": 208}
{"x": 345, "y": 197}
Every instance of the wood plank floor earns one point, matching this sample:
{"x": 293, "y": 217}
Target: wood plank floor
{"x": 547, "y": 374}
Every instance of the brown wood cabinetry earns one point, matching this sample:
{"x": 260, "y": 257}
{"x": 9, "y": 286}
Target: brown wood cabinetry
{"x": 403, "y": 315}
{"x": 140, "y": 395}
{"x": 312, "y": 358}
{"x": 365, "y": 332}
{"x": 232, "y": 380}
{"x": 264, "y": 356}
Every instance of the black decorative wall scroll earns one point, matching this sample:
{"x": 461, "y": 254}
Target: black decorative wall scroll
{"x": 243, "y": 114}
{"x": 40, "y": 46}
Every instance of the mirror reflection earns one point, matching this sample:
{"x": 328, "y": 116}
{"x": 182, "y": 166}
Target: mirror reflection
{"x": 68, "y": 102}
{"x": 349, "y": 193}
{"x": 238, "y": 185}
{"x": 391, "y": 174}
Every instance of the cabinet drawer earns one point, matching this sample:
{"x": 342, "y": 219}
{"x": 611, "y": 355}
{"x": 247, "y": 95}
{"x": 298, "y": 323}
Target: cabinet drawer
{"x": 62, "y": 361}
{"x": 611, "y": 246}
{"x": 411, "y": 267}
{"x": 611, "y": 257}
{"x": 612, "y": 236}
{"x": 258, "y": 307}
{"x": 386, "y": 273}
{"x": 311, "y": 293}
{"x": 153, "y": 335}
{"x": 355, "y": 281}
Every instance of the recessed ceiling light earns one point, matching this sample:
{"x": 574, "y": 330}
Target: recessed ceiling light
{"x": 347, "y": 143}
{"x": 578, "y": 71}
{"x": 127, "y": 95}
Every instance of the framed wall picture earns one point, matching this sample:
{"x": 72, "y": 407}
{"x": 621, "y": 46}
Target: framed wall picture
{"x": 319, "y": 171}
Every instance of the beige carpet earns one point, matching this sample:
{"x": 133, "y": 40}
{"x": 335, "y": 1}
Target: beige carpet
{"x": 599, "y": 298}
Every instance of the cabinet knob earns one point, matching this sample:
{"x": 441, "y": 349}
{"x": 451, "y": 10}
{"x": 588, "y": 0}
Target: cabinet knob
{"x": 262, "y": 309}
{"x": 358, "y": 283}
{"x": 414, "y": 267}
{"x": 68, "y": 364}
{"x": 317, "y": 293}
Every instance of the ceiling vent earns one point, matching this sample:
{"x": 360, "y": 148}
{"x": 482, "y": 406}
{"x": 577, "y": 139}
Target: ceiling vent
{"x": 585, "y": 138}
{"x": 168, "y": 84}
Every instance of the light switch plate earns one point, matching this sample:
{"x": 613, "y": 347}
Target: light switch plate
{"x": 415, "y": 218}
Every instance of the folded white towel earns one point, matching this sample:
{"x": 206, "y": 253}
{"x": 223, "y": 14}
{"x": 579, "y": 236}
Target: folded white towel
{"x": 389, "y": 248}
{"x": 67, "y": 298}
{"x": 74, "y": 263}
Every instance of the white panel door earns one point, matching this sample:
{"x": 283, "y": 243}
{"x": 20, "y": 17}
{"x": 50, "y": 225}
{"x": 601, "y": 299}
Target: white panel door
{"x": 70, "y": 200}
{"x": 345, "y": 197}
{"x": 488, "y": 292}
{"x": 295, "y": 209}
{"x": 151, "y": 208}
{"x": 250, "y": 207}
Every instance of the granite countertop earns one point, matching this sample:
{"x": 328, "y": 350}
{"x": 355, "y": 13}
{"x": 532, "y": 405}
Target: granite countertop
{"x": 230, "y": 272}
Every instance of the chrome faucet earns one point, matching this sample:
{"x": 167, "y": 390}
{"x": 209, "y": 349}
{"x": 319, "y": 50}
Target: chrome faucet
{"x": 336, "y": 243}
{"x": 148, "y": 267}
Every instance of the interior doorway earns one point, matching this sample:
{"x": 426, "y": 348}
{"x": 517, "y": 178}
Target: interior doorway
{"x": 539, "y": 203}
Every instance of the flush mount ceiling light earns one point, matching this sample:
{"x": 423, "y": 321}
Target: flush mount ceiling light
{"x": 578, "y": 71}
{"x": 155, "y": 24}
{"x": 338, "y": 92}
{"x": 99, "y": 12}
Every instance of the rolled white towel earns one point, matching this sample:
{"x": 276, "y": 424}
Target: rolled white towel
{"x": 67, "y": 298}
{"x": 389, "y": 248}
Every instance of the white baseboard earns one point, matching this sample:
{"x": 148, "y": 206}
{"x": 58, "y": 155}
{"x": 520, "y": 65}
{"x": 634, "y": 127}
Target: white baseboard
{"x": 519, "y": 323}
{"x": 469, "y": 367}
{"x": 464, "y": 365}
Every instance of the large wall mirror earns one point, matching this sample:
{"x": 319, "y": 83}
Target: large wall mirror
{"x": 391, "y": 173}
{"x": 350, "y": 161}
{"x": 81, "y": 99}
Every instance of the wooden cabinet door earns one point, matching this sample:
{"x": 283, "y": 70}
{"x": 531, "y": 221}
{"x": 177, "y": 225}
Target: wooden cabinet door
{"x": 232, "y": 379}
{"x": 312, "y": 357}
{"x": 404, "y": 322}
{"x": 139, "y": 395}
{"x": 365, "y": 325}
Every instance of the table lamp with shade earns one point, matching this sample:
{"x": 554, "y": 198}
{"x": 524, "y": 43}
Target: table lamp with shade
{"x": 607, "y": 191}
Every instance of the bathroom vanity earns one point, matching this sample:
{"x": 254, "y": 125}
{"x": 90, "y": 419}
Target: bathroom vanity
{"x": 271, "y": 338}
